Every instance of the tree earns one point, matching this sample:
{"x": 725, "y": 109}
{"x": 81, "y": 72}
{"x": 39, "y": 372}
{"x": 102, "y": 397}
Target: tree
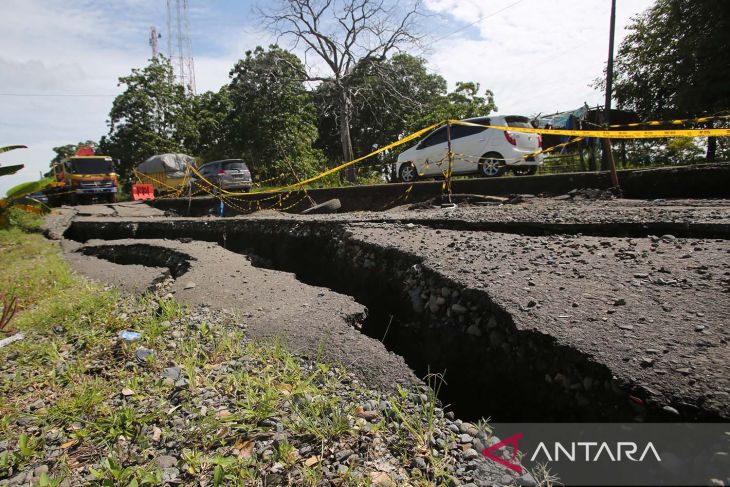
{"x": 395, "y": 97}
{"x": 68, "y": 150}
{"x": 152, "y": 116}
{"x": 389, "y": 97}
{"x": 211, "y": 111}
{"x": 273, "y": 122}
{"x": 346, "y": 36}
{"x": 673, "y": 64}
{"x": 463, "y": 102}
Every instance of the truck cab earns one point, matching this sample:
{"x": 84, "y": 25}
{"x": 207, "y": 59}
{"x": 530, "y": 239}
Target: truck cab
{"x": 84, "y": 178}
{"x": 92, "y": 177}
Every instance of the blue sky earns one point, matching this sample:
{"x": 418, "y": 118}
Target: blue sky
{"x": 61, "y": 58}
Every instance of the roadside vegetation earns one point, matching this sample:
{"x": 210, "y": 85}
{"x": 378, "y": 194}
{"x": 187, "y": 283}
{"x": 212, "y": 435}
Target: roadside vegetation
{"x": 191, "y": 400}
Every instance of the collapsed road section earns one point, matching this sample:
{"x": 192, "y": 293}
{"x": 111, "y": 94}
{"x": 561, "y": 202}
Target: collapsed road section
{"x": 273, "y": 305}
{"x": 524, "y": 328}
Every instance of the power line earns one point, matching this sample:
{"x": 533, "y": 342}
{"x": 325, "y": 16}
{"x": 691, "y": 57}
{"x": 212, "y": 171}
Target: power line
{"x": 479, "y": 20}
{"x": 55, "y": 94}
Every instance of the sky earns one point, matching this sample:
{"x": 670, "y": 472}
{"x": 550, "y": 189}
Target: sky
{"x": 61, "y": 59}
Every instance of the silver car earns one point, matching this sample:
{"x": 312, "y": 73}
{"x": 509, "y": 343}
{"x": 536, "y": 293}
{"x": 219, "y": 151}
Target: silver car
{"x": 229, "y": 174}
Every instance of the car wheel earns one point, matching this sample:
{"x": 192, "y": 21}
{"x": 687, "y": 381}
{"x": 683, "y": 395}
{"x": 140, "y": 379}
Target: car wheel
{"x": 525, "y": 170}
{"x": 491, "y": 165}
{"x": 408, "y": 173}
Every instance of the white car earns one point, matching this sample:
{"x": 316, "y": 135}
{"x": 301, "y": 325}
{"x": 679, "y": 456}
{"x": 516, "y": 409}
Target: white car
{"x": 488, "y": 152}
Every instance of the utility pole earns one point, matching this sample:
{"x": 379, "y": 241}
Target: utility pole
{"x": 608, "y": 153}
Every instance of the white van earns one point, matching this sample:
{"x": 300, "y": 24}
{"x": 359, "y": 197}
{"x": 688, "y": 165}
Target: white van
{"x": 487, "y": 152}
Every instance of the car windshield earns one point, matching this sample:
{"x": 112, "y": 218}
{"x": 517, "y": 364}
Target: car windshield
{"x": 522, "y": 122}
{"x": 92, "y": 165}
{"x": 235, "y": 166}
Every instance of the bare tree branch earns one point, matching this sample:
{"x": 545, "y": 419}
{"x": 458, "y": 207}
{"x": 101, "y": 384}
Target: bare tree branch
{"x": 346, "y": 35}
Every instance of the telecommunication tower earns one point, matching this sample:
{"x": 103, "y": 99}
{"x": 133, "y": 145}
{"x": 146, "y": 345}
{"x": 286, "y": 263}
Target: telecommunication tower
{"x": 179, "y": 46}
{"x": 154, "y": 36}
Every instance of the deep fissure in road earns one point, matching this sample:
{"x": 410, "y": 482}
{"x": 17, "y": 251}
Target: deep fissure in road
{"x": 491, "y": 368}
{"x": 488, "y": 369}
{"x": 177, "y": 263}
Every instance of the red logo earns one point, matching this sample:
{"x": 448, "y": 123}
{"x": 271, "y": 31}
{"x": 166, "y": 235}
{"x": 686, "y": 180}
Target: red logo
{"x": 512, "y": 440}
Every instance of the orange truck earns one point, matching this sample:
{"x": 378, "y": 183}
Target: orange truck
{"x": 83, "y": 178}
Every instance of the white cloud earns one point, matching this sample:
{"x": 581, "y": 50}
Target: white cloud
{"x": 536, "y": 56}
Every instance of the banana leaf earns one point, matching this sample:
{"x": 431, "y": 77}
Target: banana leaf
{"x": 27, "y": 188}
{"x": 12, "y": 147}
{"x": 6, "y": 170}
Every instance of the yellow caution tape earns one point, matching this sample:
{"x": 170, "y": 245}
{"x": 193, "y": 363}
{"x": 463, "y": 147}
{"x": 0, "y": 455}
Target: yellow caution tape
{"x": 608, "y": 134}
{"x": 554, "y": 148}
{"x": 580, "y": 134}
{"x": 680, "y": 121}
{"x": 321, "y": 175}
{"x": 161, "y": 183}
{"x": 404, "y": 140}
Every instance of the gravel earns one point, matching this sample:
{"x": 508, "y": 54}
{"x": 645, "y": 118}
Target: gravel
{"x": 373, "y": 447}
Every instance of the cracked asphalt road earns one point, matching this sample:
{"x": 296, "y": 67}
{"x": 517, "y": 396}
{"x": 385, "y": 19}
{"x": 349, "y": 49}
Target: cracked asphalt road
{"x": 654, "y": 309}
{"x": 273, "y": 305}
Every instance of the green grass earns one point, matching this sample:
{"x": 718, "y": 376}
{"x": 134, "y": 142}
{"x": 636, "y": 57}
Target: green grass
{"x": 97, "y": 399}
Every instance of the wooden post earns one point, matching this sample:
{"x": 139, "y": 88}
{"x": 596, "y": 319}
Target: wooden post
{"x": 447, "y": 182}
{"x": 611, "y": 163}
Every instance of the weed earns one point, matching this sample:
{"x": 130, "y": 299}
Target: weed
{"x": 9, "y": 307}
{"x": 8, "y": 461}
{"x": 112, "y": 473}
{"x": 312, "y": 475}
{"x": 420, "y": 423}
{"x": 193, "y": 461}
{"x": 543, "y": 476}
{"x": 43, "y": 270}
{"x": 5, "y": 421}
{"x": 81, "y": 401}
{"x": 27, "y": 446}
{"x": 323, "y": 418}
{"x": 284, "y": 452}
{"x": 226, "y": 347}
{"x": 257, "y": 399}
{"x": 170, "y": 309}
{"x": 46, "y": 481}
{"x": 24, "y": 220}
{"x": 122, "y": 422}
